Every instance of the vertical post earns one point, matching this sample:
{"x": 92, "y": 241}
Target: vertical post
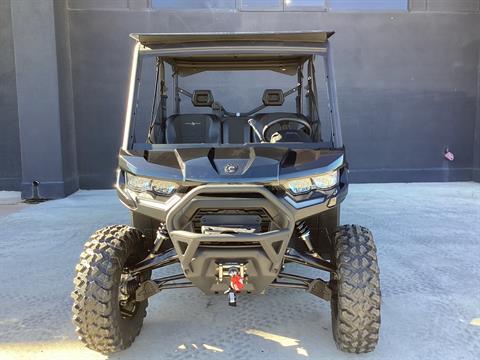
{"x": 309, "y": 89}
{"x": 163, "y": 99}
{"x": 176, "y": 96}
{"x": 332, "y": 98}
{"x": 312, "y": 86}
{"x": 132, "y": 98}
{"x": 299, "y": 99}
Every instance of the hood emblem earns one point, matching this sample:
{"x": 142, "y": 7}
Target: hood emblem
{"x": 193, "y": 123}
{"x": 230, "y": 169}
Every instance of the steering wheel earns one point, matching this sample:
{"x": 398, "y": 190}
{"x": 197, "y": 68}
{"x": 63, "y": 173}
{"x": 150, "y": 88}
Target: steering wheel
{"x": 296, "y": 120}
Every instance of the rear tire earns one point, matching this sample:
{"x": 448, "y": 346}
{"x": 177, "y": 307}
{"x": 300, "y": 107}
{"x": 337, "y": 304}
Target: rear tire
{"x": 101, "y": 322}
{"x": 356, "y": 296}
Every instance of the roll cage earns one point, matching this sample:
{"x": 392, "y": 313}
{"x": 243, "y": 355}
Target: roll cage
{"x": 188, "y": 54}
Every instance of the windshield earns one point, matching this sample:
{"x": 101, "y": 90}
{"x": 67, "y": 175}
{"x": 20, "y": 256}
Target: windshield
{"x": 187, "y": 105}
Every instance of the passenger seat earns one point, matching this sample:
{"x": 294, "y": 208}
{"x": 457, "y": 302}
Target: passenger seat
{"x": 193, "y": 129}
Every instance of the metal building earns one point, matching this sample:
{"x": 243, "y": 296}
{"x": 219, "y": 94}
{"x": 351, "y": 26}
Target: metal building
{"x": 408, "y": 78}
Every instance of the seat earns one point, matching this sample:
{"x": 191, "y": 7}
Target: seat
{"x": 193, "y": 129}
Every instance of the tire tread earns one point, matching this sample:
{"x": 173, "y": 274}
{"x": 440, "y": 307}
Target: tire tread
{"x": 357, "y": 290}
{"x": 96, "y": 319}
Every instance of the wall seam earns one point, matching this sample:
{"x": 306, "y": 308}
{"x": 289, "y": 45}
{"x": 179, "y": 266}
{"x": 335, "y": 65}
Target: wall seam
{"x": 70, "y": 90}
{"x": 16, "y": 93}
{"x": 476, "y": 130}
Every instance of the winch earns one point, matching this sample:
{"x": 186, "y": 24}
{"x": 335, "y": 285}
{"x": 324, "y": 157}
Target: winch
{"x": 236, "y": 277}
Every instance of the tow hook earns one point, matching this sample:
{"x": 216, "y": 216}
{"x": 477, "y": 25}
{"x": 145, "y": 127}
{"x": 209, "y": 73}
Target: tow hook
{"x": 236, "y": 274}
{"x": 232, "y": 297}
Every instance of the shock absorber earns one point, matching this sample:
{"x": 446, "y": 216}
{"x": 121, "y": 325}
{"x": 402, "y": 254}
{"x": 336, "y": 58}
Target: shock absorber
{"x": 304, "y": 233}
{"x": 131, "y": 287}
{"x": 162, "y": 235}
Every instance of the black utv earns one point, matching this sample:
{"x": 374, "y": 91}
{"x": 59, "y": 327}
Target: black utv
{"x": 231, "y": 195}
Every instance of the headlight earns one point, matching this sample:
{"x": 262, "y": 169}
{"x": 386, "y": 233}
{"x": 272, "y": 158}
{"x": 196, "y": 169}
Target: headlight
{"x": 163, "y": 187}
{"x": 300, "y": 186}
{"x": 143, "y": 184}
{"x": 327, "y": 180}
{"x": 305, "y": 185}
{"x": 138, "y": 183}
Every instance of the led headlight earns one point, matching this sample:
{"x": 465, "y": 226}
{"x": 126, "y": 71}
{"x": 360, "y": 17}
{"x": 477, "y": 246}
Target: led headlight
{"x": 143, "y": 184}
{"x": 320, "y": 182}
{"x": 326, "y": 181}
{"x": 163, "y": 187}
{"x": 138, "y": 183}
{"x": 300, "y": 186}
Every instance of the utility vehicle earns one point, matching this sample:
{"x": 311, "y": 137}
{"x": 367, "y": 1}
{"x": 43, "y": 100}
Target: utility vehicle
{"x": 234, "y": 193}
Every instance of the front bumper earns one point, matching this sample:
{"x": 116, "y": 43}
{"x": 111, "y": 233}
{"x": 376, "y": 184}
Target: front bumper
{"x": 200, "y": 254}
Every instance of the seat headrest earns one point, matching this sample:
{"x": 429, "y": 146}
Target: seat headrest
{"x": 202, "y": 98}
{"x": 273, "y": 97}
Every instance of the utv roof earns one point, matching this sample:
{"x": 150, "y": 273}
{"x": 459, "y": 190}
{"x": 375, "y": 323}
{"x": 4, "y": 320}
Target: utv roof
{"x": 149, "y": 39}
{"x": 191, "y": 53}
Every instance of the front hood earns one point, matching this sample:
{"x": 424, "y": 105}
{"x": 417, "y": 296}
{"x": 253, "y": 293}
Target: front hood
{"x": 231, "y": 164}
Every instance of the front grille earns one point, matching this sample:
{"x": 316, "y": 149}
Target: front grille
{"x": 226, "y": 244}
{"x": 262, "y": 219}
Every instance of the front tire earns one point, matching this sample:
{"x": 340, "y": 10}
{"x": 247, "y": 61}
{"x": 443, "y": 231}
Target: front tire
{"x": 356, "y": 294}
{"x": 106, "y": 321}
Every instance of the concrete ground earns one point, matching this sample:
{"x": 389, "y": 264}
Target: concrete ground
{"x": 428, "y": 238}
{"x": 10, "y": 202}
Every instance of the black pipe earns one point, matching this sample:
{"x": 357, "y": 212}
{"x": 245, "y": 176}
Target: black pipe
{"x": 169, "y": 278}
{"x": 303, "y": 279}
{"x": 176, "y": 286}
{"x": 158, "y": 261}
{"x": 294, "y": 256}
{"x": 288, "y": 285}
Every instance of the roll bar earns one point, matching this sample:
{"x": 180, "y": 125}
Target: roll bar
{"x": 245, "y": 114}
